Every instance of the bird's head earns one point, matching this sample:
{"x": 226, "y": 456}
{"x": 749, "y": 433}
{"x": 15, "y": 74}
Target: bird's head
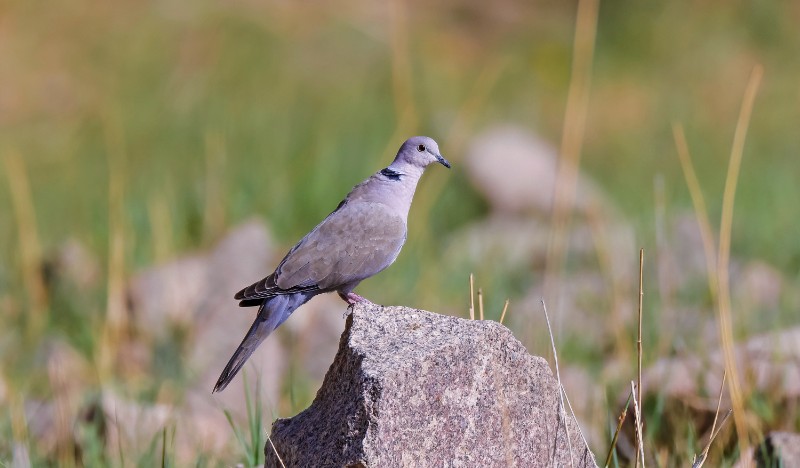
{"x": 420, "y": 151}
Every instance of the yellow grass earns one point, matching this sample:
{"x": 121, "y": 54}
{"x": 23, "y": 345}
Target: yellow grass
{"x": 723, "y": 259}
{"x": 30, "y": 250}
{"x": 700, "y": 210}
{"x": 116, "y": 316}
{"x": 572, "y": 139}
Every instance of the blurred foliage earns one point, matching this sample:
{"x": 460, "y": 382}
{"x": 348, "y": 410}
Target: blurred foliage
{"x": 220, "y": 111}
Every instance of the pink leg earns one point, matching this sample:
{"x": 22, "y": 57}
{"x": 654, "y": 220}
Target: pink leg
{"x": 352, "y": 298}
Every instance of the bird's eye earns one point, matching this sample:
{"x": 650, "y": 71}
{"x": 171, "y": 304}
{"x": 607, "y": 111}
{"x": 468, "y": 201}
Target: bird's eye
{"x": 421, "y": 148}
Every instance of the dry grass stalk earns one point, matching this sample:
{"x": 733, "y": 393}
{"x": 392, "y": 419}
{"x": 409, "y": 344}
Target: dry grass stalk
{"x": 19, "y": 429}
{"x": 65, "y": 402}
{"x": 639, "y": 343}
{"x": 572, "y": 412}
{"x": 402, "y": 82}
{"x": 454, "y": 141}
{"x": 503, "y": 314}
{"x": 30, "y": 249}
{"x": 402, "y": 77}
{"x": 572, "y": 138}
{"x": 214, "y": 215}
{"x": 699, "y": 204}
{"x": 561, "y": 407}
{"x": 480, "y": 303}
{"x": 664, "y": 275}
{"x": 457, "y": 136}
{"x": 717, "y": 265}
{"x": 160, "y": 218}
{"x": 471, "y": 296}
{"x": 620, "y": 421}
{"x": 116, "y": 316}
{"x": 698, "y": 462}
{"x": 721, "y": 425}
{"x": 599, "y": 228}
{"x": 275, "y": 451}
{"x": 638, "y": 417}
{"x": 723, "y": 258}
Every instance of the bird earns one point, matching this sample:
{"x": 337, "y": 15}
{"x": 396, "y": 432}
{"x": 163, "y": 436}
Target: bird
{"x": 359, "y": 239}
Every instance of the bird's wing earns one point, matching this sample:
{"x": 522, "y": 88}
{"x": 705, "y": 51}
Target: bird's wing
{"x": 354, "y": 242}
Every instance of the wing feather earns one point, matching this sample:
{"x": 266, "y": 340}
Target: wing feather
{"x": 353, "y": 243}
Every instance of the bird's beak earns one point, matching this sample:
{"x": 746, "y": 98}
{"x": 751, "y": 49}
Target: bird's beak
{"x": 442, "y": 161}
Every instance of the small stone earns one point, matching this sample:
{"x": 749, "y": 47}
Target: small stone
{"x": 777, "y": 449}
{"x": 516, "y": 171}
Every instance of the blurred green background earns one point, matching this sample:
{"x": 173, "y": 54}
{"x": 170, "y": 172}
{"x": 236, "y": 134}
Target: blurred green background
{"x": 211, "y": 112}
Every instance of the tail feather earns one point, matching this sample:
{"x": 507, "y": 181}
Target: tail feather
{"x": 273, "y": 312}
{"x": 257, "y": 333}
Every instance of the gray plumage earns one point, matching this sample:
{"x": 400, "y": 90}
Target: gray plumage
{"x": 359, "y": 239}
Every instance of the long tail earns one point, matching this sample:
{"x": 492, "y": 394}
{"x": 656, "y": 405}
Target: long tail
{"x": 257, "y": 333}
{"x": 271, "y": 314}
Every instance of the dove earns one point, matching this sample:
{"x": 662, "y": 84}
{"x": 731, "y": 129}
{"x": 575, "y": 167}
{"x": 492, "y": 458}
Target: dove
{"x": 359, "y": 239}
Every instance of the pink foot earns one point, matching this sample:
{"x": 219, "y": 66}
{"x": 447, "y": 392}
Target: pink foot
{"x": 353, "y": 298}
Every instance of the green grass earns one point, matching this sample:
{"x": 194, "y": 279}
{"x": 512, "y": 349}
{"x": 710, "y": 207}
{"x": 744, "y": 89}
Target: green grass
{"x": 301, "y": 105}
{"x": 251, "y": 444}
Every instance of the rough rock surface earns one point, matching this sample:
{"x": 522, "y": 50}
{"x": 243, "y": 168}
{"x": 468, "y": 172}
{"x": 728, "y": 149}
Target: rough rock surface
{"x": 413, "y": 388}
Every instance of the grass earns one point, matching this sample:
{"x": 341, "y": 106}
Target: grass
{"x": 252, "y": 447}
{"x": 145, "y": 131}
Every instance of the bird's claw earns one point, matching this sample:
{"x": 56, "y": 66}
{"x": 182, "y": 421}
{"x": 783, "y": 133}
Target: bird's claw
{"x": 352, "y": 299}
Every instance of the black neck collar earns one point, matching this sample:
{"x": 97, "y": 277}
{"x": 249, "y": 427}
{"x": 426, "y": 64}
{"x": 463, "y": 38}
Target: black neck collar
{"x": 391, "y": 174}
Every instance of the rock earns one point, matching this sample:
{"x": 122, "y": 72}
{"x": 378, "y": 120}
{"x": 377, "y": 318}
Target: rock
{"x": 687, "y": 387}
{"x": 194, "y": 294}
{"x": 777, "y": 449}
{"x": 759, "y": 286}
{"x": 512, "y": 243}
{"x": 56, "y": 429}
{"x": 685, "y": 256}
{"x": 131, "y": 424}
{"x": 21, "y": 456}
{"x": 75, "y": 263}
{"x": 515, "y": 243}
{"x": 584, "y": 312}
{"x": 781, "y": 448}
{"x": 51, "y": 422}
{"x": 516, "y": 171}
{"x": 768, "y": 362}
{"x": 413, "y": 388}
{"x": 208, "y": 434}
{"x": 242, "y": 257}
{"x": 167, "y": 295}
{"x": 40, "y": 416}
{"x": 193, "y": 288}
{"x": 69, "y": 374}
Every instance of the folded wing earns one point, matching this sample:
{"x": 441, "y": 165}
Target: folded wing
{"x": 353, "y": 243}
